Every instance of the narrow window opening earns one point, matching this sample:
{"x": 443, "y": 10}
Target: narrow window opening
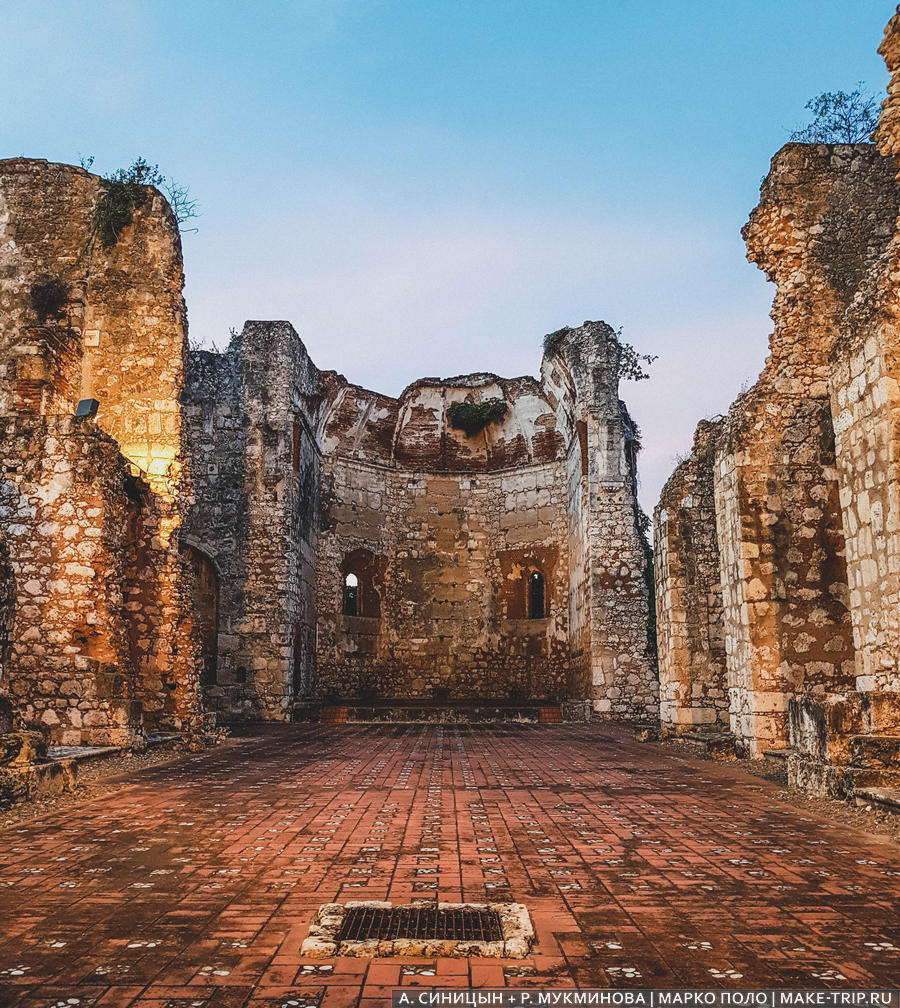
{"x": 297, "y": 678}
{"x": 295, "y": 451}
{"x": 351, "y": 595}
{"x": 536, "y": 608}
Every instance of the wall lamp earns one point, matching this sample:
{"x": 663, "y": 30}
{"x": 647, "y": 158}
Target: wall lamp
{"x": 87, "y": 409}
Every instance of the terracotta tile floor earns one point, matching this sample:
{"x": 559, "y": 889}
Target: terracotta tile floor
{"x": 193, "y": 884}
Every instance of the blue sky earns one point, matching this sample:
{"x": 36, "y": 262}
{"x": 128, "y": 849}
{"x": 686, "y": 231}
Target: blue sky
{"x": 427, "y": 188}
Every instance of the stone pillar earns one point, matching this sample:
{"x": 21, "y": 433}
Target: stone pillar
{"x": 689, "y": 614}
{"x": 609, "y": 569}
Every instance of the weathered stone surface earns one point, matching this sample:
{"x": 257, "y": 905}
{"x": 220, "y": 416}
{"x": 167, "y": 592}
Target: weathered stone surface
{"x": 805, "y": 474}
{"x": 97, "y": 635}
{"x": 690, "y": 618}
{"x": 200, "y": 531}
{"x": 302, "y": 479}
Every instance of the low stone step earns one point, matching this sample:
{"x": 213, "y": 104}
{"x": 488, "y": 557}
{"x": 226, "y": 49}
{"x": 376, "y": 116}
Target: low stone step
{"x": 715, "y": 743}
{"x": 352, "y": 712}
{"x": 886, "y": 799}
{"x": 160, "y": 738}
{"x": 876, "y": 751}
{"x": 82, "y": 754}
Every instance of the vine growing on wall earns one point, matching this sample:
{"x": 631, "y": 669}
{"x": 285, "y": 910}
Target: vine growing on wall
{"x": 472, "y": 418}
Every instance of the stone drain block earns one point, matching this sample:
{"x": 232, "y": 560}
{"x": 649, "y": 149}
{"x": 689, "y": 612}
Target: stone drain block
{"x": 374, "y": 928}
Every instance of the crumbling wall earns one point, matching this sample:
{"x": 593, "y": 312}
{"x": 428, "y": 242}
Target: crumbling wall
{"x": 82, "y": 533}
{"x": 114, "y": 330}
{"x": 690, "y": 618}
{"x": 623, "y": 678}
{"x": 454, "y": 556}
{"x": 454, "y": 526}
{"x": 119, "y": 337}
{"x": 820, "y": 225}
{"x": 865, "y": 402}
{"x": 251, "y": 426}
{"x": 302, "y": 479}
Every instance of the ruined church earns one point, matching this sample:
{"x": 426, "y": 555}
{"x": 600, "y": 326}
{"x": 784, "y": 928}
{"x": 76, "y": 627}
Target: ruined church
{"x": 191, "y": 538}
{"x": 215, "y": 536}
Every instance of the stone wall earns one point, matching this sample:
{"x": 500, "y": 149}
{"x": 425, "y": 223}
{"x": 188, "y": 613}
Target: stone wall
{"x": 690, "y": 618}
{"x": 119, "y": 337}
{"x": 454, "y": 526}
{"x": 806, "y": 510}
{"x": 823, "y": 219}
{"x": 99, "y": 650}
{"x": 302, "y": 479}
{"x": 622, "y": 674}
{"x": 865, "y": 404}
{"x": 849, "y": 739}
{"x": 251, "y": 415}
{"x": 453, "y": 555}
{"x": 103, "y": 642}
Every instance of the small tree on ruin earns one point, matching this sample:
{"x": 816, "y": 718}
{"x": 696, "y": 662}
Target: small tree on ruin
{"x": 839, "y": 117}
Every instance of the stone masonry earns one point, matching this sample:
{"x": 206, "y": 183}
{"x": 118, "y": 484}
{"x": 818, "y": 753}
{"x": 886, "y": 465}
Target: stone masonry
{"x": 99, "y": 644}
{"x": 805, "y": 487}
{"x": 302, "y": 479}
{"x": 242, "y": 533}
{"x": 691, "y": 620}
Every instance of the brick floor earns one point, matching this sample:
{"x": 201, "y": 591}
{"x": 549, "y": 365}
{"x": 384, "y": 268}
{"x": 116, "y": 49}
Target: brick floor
{"x": 193, "y": 884}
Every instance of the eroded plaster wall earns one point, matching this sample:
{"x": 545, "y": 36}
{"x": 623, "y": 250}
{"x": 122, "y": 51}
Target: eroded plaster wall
{"x": 443, "y": 530}
{"x": 453, "y": 554}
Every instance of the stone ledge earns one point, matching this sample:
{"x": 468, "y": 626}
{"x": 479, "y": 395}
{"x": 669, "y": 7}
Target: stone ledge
{"x": 24, "y": 783}
{"x": 886, "y": 799}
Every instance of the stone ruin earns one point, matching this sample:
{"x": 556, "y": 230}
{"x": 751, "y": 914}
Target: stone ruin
{"x": 241, "y": 535}
{"x": 365, "y": 547}
{"x": 778, "y": 539}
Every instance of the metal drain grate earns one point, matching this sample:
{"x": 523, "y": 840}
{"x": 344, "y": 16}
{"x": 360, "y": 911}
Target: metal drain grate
{"x": 424, "y": 923}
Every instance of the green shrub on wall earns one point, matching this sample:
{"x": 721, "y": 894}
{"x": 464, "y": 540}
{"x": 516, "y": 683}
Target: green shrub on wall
{"x": 125, "y": 191}
{"x": 471, "y": 418}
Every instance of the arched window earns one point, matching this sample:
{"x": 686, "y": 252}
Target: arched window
{"x": 536, "y": 606}
{"x": 351, "y": 595}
